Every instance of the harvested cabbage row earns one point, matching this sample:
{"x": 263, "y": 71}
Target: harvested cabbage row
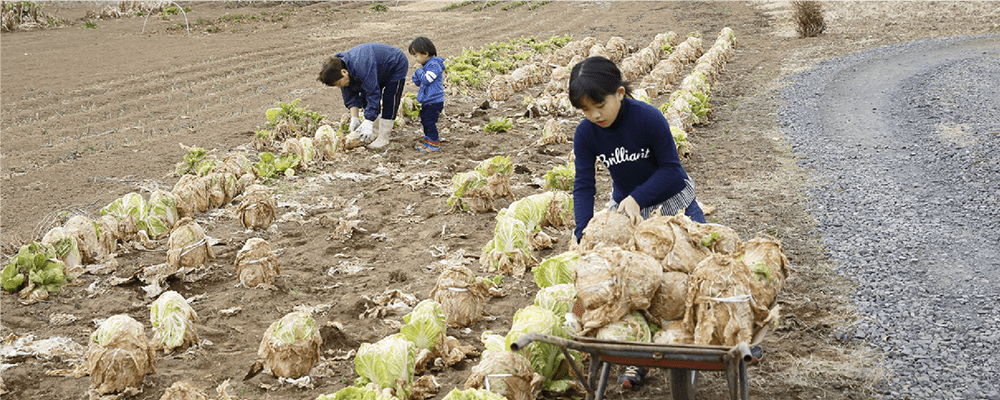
{"x": 502, "y": 87}
{"x": 547, "y": 104}
{"x": 667, "y": 71}
{"x": 689, "y": 105}
{"x": 137, "y": 219}
{"x": 573, "y": 49}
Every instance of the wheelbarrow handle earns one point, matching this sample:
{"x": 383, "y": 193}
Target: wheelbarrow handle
{"x": 530, "y": 337}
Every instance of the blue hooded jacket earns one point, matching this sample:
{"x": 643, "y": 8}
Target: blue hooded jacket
{"x": 430, "y": 81}
{"x": 371, "y": 66}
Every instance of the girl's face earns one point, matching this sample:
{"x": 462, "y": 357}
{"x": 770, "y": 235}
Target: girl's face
{"x": 605, "y": 111}
{"x": 421, "y": 57}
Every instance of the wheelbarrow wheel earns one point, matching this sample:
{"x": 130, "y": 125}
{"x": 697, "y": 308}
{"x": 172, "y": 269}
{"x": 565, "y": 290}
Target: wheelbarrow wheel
{"x": 682, "y": 383}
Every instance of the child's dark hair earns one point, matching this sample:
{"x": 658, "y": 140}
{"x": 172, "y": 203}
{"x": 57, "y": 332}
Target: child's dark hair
{"x": 331, "y": 72}
{"x": 423, "y": 45}
{"x": 595, "y": 78}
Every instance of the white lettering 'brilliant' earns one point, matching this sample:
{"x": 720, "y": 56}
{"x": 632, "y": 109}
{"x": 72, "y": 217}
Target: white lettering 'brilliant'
{"x": 621, "y": 155}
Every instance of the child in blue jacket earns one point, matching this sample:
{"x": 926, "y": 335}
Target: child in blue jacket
{"x": 429, "y": 78}
{"x": 370, "y": 77}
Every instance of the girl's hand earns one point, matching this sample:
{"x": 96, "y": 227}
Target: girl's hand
{"x": 630, "y": 208}
{"x": 355, "y": 121}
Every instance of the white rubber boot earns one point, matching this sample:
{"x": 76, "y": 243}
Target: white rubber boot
{"x": 383, "y": 126}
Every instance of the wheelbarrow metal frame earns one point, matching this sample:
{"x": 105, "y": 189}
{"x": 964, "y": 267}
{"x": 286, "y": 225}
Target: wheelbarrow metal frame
{"x": 731, "y": 359}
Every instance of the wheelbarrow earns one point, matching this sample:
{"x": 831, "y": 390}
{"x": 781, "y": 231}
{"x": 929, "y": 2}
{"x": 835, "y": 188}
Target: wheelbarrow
{"x": 682, "y": 360}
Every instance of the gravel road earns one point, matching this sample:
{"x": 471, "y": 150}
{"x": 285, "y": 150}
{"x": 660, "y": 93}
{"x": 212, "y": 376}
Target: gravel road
{"x": 902, "y": 148}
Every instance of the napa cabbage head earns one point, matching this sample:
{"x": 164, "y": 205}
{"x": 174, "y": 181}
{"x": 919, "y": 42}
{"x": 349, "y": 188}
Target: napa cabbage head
{"x": 356, "y": 393}
{"x": 544, "y": 357}
{"x": 509, "y": 236}
{"x": 557, "y": 298}
{"x": 425, "y": 325}
{"x": 560, "y": 177}
{"x": 120, "y": 325}
{"x": 530, "y": 210}
{"x": 472, "y": 394}
{"x": 388, "y": 363}
{"x": 171, "y": 316}
{"x": 556, "y": 270}
{"x": 631, "y": 328}
{"x": 35, "y": 262}
{"x": 495, "y": 165}
{"x": 295, "y": 326}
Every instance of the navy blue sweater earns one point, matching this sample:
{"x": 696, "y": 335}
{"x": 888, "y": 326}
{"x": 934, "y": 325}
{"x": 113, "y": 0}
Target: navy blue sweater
{"x": 639, "y": 152}
{"x": 371, "y": 66}
{"x": 430, "y": 81}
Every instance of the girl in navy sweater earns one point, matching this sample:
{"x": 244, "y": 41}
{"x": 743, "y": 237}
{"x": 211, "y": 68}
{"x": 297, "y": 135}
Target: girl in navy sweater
{"x": 633, "y": 141}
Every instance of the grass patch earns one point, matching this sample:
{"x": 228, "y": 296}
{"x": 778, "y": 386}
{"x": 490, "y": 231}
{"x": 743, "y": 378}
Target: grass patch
{"x": 809, "y": 18}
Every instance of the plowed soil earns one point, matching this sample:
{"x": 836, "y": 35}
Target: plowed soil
{"x": 92, "y": 114}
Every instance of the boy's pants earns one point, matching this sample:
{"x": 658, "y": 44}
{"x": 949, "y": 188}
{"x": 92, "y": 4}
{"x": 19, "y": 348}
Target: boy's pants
{"x": 391, "y": 95}
{"x": 429, "y": 114}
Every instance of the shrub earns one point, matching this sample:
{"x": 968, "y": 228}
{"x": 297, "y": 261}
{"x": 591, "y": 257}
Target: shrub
{"x": 809, "y": 18}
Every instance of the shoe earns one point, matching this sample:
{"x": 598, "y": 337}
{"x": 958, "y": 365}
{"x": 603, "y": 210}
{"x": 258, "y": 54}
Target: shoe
{"x": 632, "y": 377}
{"x": 427, "y": 148}
{"x": 384, "y": 127}
{"x": 757, "y": 353}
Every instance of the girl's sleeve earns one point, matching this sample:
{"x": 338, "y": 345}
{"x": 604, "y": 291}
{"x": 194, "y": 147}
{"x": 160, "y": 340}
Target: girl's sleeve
{"x": 417, "y": 76}
{"x": 584, "y": 188}
{"x": 667, "y": 180}
{"x": 432, "y": 72}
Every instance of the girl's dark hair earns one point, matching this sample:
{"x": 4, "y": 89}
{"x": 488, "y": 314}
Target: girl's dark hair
{"x": 595, "y": 78}
{"x": 330, "y": 73}
{"x": 423, "y": 45}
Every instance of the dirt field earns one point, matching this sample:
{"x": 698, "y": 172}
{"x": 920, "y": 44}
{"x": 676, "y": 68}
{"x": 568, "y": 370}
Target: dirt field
{"x": 92, "y": 114}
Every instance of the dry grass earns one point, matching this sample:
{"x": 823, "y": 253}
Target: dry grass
{"x": 20, "y": 15}
{"x": 809, "y": 18}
